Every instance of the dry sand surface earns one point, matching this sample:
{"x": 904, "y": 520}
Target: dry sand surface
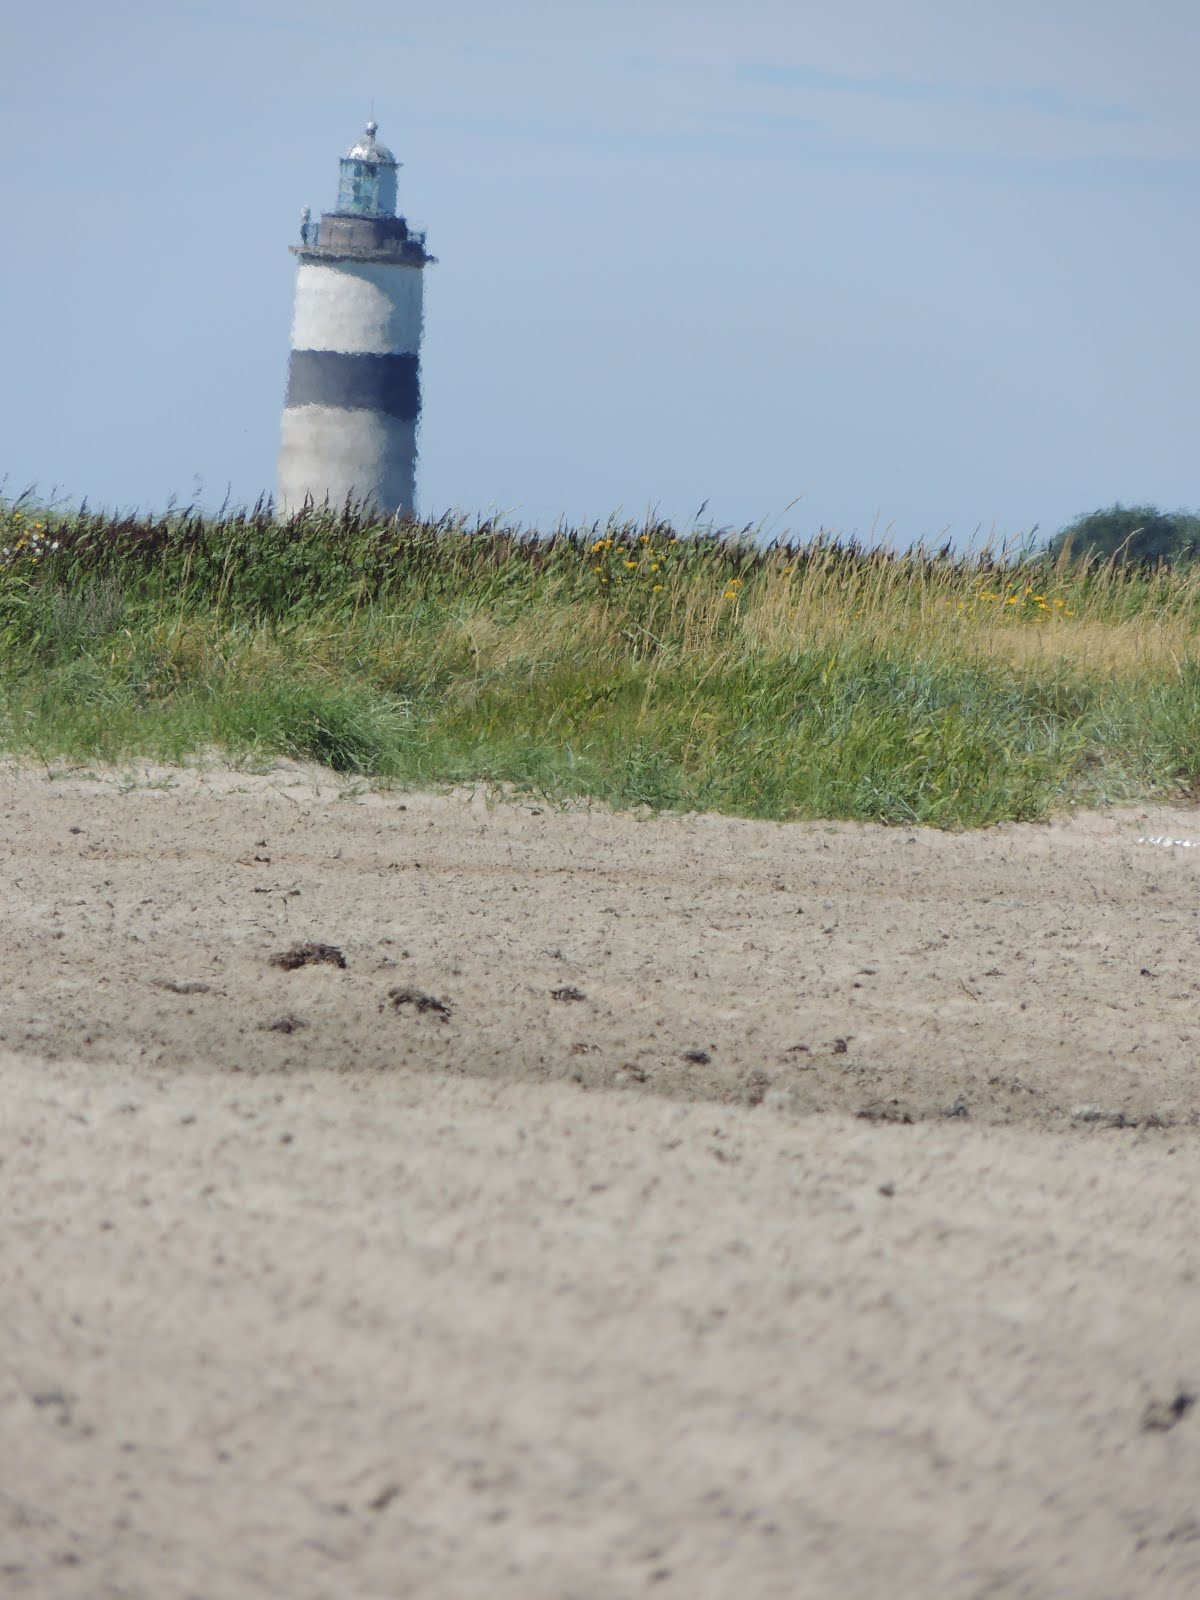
{"x": 678, "y": 1206}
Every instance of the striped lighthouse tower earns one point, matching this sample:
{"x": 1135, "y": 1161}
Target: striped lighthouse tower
{"x": 354, "y": 391}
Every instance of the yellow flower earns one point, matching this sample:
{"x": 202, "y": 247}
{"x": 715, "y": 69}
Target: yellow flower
{"x": 656, "y": 588}
{"x": 631, "y": 563}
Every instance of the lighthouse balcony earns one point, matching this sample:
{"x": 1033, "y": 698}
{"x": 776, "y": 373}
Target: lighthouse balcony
{"x": 342, "y": 236}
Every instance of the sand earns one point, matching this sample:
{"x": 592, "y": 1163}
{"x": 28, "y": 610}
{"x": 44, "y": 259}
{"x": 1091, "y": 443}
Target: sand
{"x": 679, "y": 1206}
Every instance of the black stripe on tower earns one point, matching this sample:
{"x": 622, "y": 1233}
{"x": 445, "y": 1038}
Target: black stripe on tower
{"x": 390, "y": 383}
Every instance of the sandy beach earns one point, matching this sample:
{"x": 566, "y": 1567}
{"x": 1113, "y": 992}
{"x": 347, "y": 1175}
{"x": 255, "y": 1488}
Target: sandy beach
{"x": 428, "y": 1195}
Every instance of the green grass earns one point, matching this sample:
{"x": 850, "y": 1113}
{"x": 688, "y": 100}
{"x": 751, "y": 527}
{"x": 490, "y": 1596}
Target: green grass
{"x": 622, "y": 664}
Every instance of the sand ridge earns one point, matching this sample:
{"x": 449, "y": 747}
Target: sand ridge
{"x": 1026, "y": 973}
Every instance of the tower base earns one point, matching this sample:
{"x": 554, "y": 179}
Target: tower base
{"x": 367, "y": 457}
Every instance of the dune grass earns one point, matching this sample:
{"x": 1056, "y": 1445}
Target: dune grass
{"x": 624, "y": 663}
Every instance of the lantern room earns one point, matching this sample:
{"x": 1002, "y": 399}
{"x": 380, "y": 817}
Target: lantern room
{"x": 367, "y": 187}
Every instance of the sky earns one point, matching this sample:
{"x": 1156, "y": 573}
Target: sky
{"x": 901, "y": 269}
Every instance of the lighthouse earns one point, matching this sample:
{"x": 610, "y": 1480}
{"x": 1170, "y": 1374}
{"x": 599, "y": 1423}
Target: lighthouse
{"x": 354, "y": 389}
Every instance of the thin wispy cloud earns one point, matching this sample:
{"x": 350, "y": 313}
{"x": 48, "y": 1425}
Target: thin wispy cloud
{"x": 918, "y": 91}
{"x": 763, "y": 136}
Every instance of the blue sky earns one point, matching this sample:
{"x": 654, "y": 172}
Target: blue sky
{"x": 922, "y": 267}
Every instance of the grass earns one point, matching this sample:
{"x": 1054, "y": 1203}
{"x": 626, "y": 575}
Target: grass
{"x": 626, "y": 663}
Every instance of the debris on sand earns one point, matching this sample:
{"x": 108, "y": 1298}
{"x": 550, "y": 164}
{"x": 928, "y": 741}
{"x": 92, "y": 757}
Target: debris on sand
{"x": 410, "y": 996}
{"x": 567, "y": 993}
{"x": 1103, "y": 1116}
{"x": 754, "y": 1086}
{"x": 289, "y": 1022}
{"x": 885, "y": 1111}
{"x": 308, "y": 955}
{"x": 189, "y": 987}
{"x": 1161, "y": 1415}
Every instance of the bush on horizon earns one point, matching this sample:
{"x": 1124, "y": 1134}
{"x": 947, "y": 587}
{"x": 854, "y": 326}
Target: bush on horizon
{"x": 1130, "y": 535}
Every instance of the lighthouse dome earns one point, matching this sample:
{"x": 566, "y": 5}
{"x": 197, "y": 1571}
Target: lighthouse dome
{"x": 368, "y": 148}
{"x": 368, "y": 178}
